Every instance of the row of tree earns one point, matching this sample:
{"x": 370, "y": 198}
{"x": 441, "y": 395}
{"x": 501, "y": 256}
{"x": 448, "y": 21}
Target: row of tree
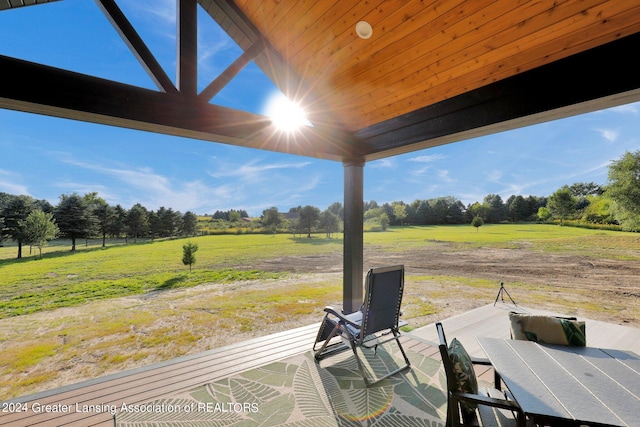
{"x": 305, "y": 220}
{"x": 617, "y": 203}
{"x": 33, "y": 222}
{"x": 29, "y": 221}
{"x": 437, "y": 211}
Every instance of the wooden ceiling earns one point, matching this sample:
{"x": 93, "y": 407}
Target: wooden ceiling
{"x": 424, "y": 52}
{"x": 433, "y": 72}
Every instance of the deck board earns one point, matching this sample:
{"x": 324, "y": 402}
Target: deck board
{"x": 162, "y": 379}
{"x": 158, "y": 380}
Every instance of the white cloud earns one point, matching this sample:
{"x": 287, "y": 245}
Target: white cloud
{"x": 386, "y": 163}
{"x": 263, "y": 185}
{"x": 428, "y": 158}
{"x": 11, "y": 188}
{"x": 149, "y": 188}
{"x": 420, "y": 171}
{"x": 444, "y": 176}
{"x": 153, "y": 10}
{"x": 253, "y": 171}
{"x": 494, "y": 176}
{"x": 515, "y": 189}
{"x": 212, "y": 44}
{"x": 84, "y": 188}
{"x": 312, "y": 184}
{"x": 9, "y": 185}
{"x": 599, "y": 169}
{"x": 610, "y": 135}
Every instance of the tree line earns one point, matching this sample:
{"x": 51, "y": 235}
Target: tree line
{"x": 29, "y": 221}
{"x": 615, "y": 205}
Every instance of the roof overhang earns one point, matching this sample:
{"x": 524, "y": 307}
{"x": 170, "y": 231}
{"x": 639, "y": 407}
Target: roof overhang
{"x": 532, "y": 63}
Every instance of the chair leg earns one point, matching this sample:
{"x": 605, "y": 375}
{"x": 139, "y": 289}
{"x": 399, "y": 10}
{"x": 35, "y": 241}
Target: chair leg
{"x": 497, "y": 381}
{"x": 453, "y": 413}
{"x": 319, "y": 354}
{"x": 360, "y": 367}
{"x": 406, "y": 359}
{"x": 368, "y": 381}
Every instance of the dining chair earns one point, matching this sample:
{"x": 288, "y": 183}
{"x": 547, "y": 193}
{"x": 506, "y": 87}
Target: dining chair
{"x": 467, "y": 403}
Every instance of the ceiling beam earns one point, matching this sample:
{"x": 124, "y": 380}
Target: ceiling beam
{"x": 12, "y": 4}
{"x": 232, "y": 70}
{"x": 41, "y": 89}
{"x": 599, "y": 78}
{"x": 139, "y": 49}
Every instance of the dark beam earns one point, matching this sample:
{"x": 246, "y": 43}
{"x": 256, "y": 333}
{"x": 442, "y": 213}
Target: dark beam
{"x": 8, "y": 4}
{"x": 136, "y": 45}
{"x": 41, "y": 89}
{"x": 232, "y": 70}
{"x": 353, "y": 255}
{"x": 187, "y": 42}
{"x": 602, "y": 77}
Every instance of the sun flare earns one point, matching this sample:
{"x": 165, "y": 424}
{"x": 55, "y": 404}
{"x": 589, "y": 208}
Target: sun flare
{"x": 286, "y": 115}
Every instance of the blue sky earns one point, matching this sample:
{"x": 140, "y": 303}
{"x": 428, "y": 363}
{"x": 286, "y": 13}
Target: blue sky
{"x": 45, "y": 157}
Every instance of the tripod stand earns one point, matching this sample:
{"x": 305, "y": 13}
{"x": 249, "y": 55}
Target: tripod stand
{"x": 501, "y": 293}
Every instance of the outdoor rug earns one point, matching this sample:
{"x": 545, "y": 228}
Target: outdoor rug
{"x": 301, "y": 392}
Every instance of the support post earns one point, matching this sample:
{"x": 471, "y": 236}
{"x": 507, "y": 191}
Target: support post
{"x": 353, "y": 253}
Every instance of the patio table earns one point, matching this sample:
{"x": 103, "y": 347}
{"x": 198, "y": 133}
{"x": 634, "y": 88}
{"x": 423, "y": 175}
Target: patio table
{"x": 562, "y": 385}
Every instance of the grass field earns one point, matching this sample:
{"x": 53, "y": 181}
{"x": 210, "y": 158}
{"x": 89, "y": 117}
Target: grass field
{"x": 58, "y": 311}
{"x": 63, "y": 279}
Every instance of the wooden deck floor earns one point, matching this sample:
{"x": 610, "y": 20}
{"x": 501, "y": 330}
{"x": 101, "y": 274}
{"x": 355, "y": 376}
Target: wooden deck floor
{"x": 154, "y": 381}
{"x": 163, "y": 379}
{"x": 493, "y": 321}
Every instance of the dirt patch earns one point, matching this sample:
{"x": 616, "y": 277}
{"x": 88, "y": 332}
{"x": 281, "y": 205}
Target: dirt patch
{"x": 600, "y": 289}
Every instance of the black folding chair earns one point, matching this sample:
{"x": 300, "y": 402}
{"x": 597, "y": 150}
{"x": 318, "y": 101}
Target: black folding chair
{"x": 378, "y": 317}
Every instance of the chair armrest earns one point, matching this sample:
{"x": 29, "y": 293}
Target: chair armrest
{"x": 342, "y": 317}
{"x": 331, "y": 310}
{"x": 480, "y": 361}
{"x": 485, "y": 400}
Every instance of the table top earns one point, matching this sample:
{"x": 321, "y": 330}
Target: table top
{"x": 587, "y": 385}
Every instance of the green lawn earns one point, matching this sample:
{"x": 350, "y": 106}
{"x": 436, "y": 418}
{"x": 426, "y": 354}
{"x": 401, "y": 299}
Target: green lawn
{"x": 541, "y": 237}
{"x": 64, "y": 279}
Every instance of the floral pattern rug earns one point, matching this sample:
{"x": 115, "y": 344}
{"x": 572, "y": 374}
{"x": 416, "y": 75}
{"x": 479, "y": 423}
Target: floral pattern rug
{"x": 299, "y": 391}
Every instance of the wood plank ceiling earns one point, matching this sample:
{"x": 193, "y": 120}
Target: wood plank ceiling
{"x": 421, "y": 53}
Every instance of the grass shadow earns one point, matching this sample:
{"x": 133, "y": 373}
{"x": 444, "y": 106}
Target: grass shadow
{"x": 26, "y": 256}
{"x": 171, "y": 283}
{"x": 315, "y": 241}
{"x": 62, "y": 251}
